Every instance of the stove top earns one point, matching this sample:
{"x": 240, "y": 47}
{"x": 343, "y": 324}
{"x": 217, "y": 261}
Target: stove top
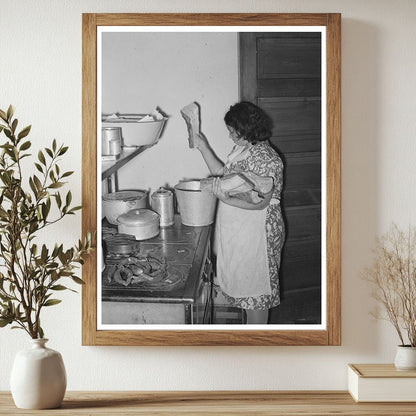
{"x": 154, "y": 266}
{"x": 165, "y": 268}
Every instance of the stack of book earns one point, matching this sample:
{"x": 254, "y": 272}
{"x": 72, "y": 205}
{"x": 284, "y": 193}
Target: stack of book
{"x": 381, "y": 383}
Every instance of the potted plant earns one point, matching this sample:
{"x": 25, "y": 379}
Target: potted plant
{"x": 31, "y": 272}
{"x": 393, "y": 277}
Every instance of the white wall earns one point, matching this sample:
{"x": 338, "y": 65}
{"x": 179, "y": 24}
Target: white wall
{"x": 142, "y": 71}
{"x": 41, "y": 75}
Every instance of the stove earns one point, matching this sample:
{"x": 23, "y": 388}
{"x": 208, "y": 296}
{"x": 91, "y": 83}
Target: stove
{"x": 159, "y": 280}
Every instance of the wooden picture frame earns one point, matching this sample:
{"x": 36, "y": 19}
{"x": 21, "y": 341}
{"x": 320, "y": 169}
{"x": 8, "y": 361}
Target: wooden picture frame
{"x": 331, "y": 334}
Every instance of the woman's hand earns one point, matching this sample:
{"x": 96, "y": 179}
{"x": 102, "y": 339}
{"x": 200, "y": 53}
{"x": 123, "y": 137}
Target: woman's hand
{"x": 200, "y": 141}
{"x": 218, "y": 192}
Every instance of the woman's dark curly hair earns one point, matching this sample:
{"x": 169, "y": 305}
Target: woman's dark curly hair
{"x": 249, "y": 121}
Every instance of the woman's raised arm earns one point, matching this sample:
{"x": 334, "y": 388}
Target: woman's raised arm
{"x": 215, "y": 165}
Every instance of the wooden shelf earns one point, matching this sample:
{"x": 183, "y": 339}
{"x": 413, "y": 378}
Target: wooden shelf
{"x": 179, "y": 403}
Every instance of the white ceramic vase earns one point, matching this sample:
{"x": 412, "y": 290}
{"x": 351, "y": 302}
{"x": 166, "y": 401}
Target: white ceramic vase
{"x": 405, "y": 358}
{"x": 38, "y": 377}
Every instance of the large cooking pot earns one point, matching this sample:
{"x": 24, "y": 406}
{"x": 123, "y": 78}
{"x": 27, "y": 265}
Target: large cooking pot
{"x": 117, "y": 203}
{"x": 142, "y": 223}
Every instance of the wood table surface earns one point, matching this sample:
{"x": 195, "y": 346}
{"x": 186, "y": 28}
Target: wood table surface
{"x": 178, "y": 403}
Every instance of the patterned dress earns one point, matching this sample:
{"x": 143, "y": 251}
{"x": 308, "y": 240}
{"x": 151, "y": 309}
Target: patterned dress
{"x": 263, "y": 160}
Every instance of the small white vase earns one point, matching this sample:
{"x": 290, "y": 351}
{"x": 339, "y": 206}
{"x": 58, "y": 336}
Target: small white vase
{"x": 405, "y": 358}
{"x": 38, "y": 377}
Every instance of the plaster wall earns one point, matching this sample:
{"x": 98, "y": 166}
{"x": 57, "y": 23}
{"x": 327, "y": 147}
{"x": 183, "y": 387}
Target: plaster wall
{"x": 142, "y": 71}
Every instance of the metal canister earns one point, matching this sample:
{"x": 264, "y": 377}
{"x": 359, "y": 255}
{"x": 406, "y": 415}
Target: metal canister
{"x": 162, "y": 203}
{"x": 111, "y": 140}
{"x": 115, "y": 147}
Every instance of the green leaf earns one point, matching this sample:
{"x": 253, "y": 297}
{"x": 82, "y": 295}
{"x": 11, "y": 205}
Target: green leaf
{"x": 68, "y": 199}
{"x": 33, "y": 187}
{"x": 67, "y": 174}
{"x": 24, "y": 132}
{"x": 10, "y": 112}
{"x": 4, "y": 298}
{"x": 39, "y": 167}
{"x": 44, "y": 253}
{"x": 55, "y": 251}
{"x": 58, "y": 199}
{"x": 5, "y": 321}
{"x": 8, "y": 133}
{"x": 63, "y": 150}
{"x": 59, "y": 287}
{"x": 41, "y": 157}
{"x": 45, "y": 210}
{"x": 40, "y": 332}
{"x": 72, "y": 210}
{"x": 49, "y": 152}
{"x": 14, "y": 125}
{"x": 33, "y": 227}
{"x": 54, "y": 145}
{"x": 51, "y": 302}
{"x": 66, "y": 274}
{"x": 37, "y": 182}
{"x": 56, "y": 185}
{"x": 25, "y": 146}
{"x": 3, "y": 115}
{"x": 62, "y": 257}
{"x": 78, "y": 280}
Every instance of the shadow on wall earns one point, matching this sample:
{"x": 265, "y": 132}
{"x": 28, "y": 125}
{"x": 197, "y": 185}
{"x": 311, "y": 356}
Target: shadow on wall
{"x": 360, "y": 179}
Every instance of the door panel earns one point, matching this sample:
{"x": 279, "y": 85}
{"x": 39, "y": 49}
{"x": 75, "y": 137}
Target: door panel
{"x": 293, "y": 115}
{"x": 281, "y": 72}
{"x": 289, "y": 58}
{"x": 287, "y": 87}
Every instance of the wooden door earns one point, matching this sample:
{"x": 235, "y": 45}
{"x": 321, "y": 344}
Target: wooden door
{"x": 281, "y": 73}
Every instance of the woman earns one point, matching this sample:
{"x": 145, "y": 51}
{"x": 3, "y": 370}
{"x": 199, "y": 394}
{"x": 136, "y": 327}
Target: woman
{"x": 249, "y": 236}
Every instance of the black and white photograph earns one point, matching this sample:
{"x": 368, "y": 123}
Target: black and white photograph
{"x": 211, "y": 155}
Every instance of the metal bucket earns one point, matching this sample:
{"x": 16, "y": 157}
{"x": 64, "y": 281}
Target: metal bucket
{"x": 196, "y": 208}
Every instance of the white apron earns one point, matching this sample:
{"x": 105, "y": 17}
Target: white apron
{"x": 241, "y": 245}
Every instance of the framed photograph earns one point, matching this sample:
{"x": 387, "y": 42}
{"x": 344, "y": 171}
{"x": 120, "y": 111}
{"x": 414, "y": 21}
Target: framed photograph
{"x": 211, "y": 172}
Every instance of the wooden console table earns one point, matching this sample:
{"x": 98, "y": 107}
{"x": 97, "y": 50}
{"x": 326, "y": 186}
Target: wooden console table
{"x": 221, "y": 403}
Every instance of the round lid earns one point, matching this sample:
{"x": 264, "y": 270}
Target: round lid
{"x": 162, "y": 193}
{"x": 138, "y": 217}
{"x": 124, "y": 196}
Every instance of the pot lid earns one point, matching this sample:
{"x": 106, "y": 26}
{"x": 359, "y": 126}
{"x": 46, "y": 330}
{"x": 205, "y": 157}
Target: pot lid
{"x": 138, "y": 217}
{"x": 124, "y": 196}
{"x": 162, "y": 193}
